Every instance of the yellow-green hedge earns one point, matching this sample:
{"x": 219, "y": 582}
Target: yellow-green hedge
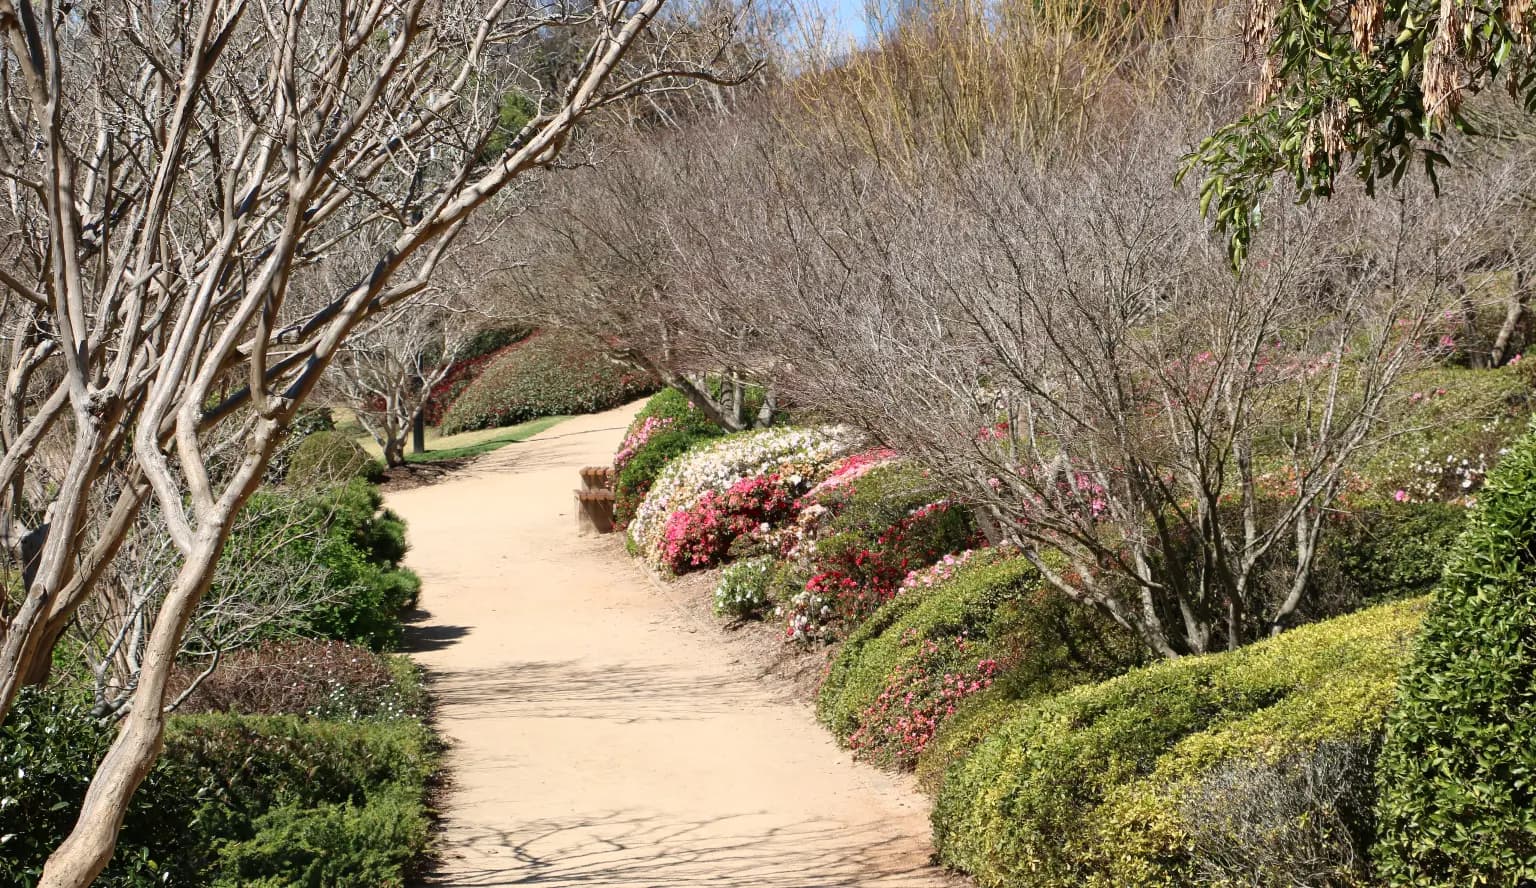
{"x": 1085, "y": 788}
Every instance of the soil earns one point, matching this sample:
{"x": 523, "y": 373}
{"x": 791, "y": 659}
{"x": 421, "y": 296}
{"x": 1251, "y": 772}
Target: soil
{"x": 603, "y": 728}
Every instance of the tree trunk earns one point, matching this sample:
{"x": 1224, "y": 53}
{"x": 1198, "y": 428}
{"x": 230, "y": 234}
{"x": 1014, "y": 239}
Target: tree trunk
{"x": 84, "y": 854}
{"x": 1514, "y": 321}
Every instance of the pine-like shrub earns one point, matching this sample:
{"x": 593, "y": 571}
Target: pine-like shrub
{"x": 1458, "y": 770}
{"x": 549, "y": 374}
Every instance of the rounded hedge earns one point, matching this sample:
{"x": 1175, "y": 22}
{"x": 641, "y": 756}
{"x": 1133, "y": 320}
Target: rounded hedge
{"x": 1458, "y": 769}
{"x": 1086, "y": 788}
{"x": 327, "y": 458}
{"x": 549, "y": 374}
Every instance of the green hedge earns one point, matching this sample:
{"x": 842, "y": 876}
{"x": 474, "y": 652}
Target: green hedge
{"x": 1458, "y": 772}
{"x": 549, "y": 374}
{"x": 1086, "y": 788}
{"x": 233, "y": 801}
{"x": 304, "y": 802}
{"x": 360, "y": 590}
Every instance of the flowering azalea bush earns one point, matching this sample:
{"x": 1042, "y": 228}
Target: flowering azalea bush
{"x": 919, "y": 694}
{"x": 743, "y": 588}
{"x": 638, "y": 438}
{"x": 700, "y": 536}
{"x": 800, "y": 457}
{"x": 938, "y": 573}
{"x": 851, "y": 469}
{"x": 853, "y": 575}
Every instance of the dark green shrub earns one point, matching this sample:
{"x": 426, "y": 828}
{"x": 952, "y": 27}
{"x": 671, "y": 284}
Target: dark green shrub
{"x": 1085, "y": 788}
{"x": 879, "y": 499}
{"x": 639, "y": 473}
{"x": 308, "y": 421}
{"x": 1458, "y": 770}
{"x": 550, "y": 374}
{"x": 330, "y": 844}
{"x": 49, "y": 749}
{"x": 365, "y": 544}
{"x": 671, "y": 404}
{"x": 326, "y": 458}
{"x": 1384, "y": 552}
{"x": 338, "y": 549}
{"x": 301, "y": 802}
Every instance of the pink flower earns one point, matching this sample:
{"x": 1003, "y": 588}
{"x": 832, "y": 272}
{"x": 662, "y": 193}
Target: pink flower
{"x": 1401, "y": 496}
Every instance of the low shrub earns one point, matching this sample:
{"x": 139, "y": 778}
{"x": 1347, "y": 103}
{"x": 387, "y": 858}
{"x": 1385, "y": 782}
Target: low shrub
{"x": 468, "y": 363}
{"x": 979, "y": 618}
{"x": 233, "y": 801}
{"x": 1085, "y": 788}
{"x": 550, "y": 374}
{"x": 1458, "y": 770}
{"x": 701, "y": 535}
{"x": 800, "y": 456}
{"x": 306, "y": 422}
{"x": 640, "y": 470}
{"x": 306, "y": 802}
{"x": 742, "y": 592}
{"x": 327, "y": 458}
{"x": 338, "y": 552}
{"x": 49, "y": 748}
{"x": 869, "y": 521}
{"x": 322, "y": 679}
{"x": 1383, "y": 552}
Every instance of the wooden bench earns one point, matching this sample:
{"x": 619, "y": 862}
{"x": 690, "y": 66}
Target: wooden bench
{"x": 594, "y": 510}
{"x": 597, "y": 478}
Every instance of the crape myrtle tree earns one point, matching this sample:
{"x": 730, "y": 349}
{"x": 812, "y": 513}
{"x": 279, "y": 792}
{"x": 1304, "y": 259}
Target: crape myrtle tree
{"x": 387, "y": 370}
{"x": 597, "y": 262}
{"x": 174, "y": 174}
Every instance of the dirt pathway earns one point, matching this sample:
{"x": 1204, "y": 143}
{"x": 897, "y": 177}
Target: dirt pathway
{"x": 599, "y": 735}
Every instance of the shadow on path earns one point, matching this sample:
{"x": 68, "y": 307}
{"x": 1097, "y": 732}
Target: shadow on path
{"x": 637, "y": 849}
{"x": 621, "y": 692}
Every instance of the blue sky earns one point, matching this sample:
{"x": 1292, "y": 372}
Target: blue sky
{"x": 848, "y": 15}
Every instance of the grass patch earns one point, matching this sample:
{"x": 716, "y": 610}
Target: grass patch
{"x": 441, "y": 448}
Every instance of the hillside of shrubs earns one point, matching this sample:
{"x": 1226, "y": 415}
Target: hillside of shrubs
{"x": 299, "y": 752}
{"x": 1381, "y": 741}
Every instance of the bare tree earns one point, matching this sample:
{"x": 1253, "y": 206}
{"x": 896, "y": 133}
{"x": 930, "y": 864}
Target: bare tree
{"x": 387, "y": 370}
{"x": 174, "y": 172}
{"x": 1054, "y": 333}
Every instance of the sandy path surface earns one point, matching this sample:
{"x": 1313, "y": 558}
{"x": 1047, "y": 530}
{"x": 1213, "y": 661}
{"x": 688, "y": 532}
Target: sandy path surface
{"x": 599, "y": 736}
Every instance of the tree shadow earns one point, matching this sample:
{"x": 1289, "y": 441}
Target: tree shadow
{"x": 422, "y": 635}
{"x": 635, "y": 849}
{"x": 624, "y": 693}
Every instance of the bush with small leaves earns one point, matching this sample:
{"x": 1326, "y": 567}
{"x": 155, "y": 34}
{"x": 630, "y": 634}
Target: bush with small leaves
{"x": 742, "y": 592}
{"x": 1458, "y": 768}
{"x": 549, "y": 374}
